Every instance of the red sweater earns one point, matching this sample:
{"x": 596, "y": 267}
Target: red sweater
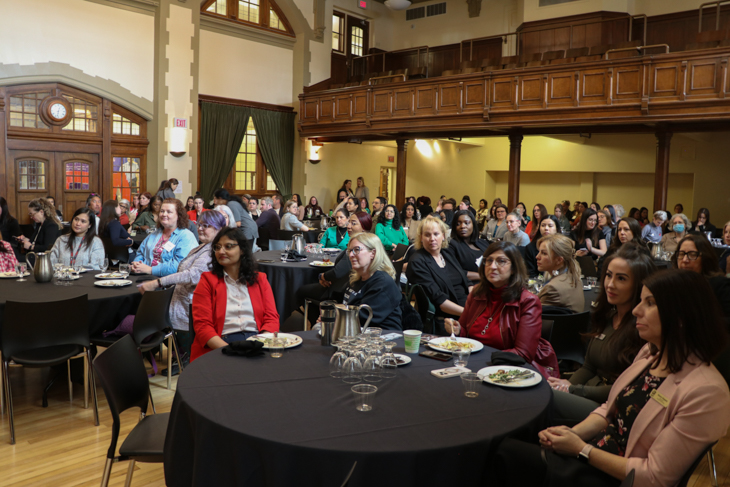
{"x": 209, "y": 309}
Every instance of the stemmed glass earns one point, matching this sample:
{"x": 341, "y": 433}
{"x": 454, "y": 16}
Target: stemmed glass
{"x": 20, "y": 269}
{"x": 371, "y": 367}
{"x": 352, "y": 368}
{"x": 124, "y": 269}
{"x": 104, "y": 264}
{"x": 389, "y": 362}
{"x": 338, "y": 361}
{"x": 77, "y": 270}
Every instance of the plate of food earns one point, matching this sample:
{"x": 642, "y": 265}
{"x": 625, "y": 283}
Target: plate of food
{"x": 509, "y": 376}
{"x": 319, "y": 263}
{"x": 111, "y": 275}
{"x": 331, "y": 249}
{"x": 402, "y": 359}
{"x": 448, "y": 344}
{"x": 113, "y": 283}
{"x": 12, "y": 275}
{"x": 290, "y": 341}
{"x": 71, "y": 269}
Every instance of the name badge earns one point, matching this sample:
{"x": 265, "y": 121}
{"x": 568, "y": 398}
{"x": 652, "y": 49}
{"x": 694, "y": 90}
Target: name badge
{"x": 168, "y": 246}
{"x": 659, "y": 397}
{"x": 602, "y": 336}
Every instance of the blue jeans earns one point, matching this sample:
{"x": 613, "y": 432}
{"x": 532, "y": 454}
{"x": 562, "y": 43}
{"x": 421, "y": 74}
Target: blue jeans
{"x": 238, "y": 336}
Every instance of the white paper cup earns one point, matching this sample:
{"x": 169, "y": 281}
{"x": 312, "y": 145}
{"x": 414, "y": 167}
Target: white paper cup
{"x": 412, "y": 339}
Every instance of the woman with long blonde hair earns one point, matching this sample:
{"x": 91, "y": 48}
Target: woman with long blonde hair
{"x": 555, "y": 259}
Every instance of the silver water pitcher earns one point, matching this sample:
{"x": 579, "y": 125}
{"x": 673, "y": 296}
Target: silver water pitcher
{"x": 43, "y": 269}
{"x": 347, "y": 320}
{"x": 298, "y": 243}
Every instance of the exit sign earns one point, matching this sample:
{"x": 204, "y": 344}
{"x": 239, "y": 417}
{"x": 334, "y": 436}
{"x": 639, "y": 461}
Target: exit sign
{"x": 391, "y": 159}
{"x": 362, "y": 3}
{"x": 180, "y": 123}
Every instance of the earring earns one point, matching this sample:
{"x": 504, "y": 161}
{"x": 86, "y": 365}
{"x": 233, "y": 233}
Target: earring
{"x": 555, "y": 273}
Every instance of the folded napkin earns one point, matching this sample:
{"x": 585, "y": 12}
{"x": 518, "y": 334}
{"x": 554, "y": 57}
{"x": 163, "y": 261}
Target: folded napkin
{"x": 507, "y": 358}
{"x": 244, "y": 348}
{"x": 294, "y": 256}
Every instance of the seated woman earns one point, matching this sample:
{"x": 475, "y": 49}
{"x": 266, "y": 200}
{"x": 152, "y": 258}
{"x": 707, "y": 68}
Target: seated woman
{"x": 725, "y": 256}
{"x": 147, "y": 220}
{"x": 464, "y": 246}
{"x": 614, "y": 341}
{"x": 227, "y": 214}
{"x": 497, "y": 227}
{"x": 702, "y": 224}
{"x": 336, "y": 237}
{"x": 364, "y": 206}
{"x": 627, "y": 230}
{"x": 372, "y": 282}
{"x": 290, "y": 221}
{"x": 588, "y": 237}
{"x": 521, "y": 210}
{"x": 110, "y": 227}
{"x": 538, "y": 213}
{"x": 549, "y": 225}
{"x": 194, "y": 214}
{"x": 409, "y": 218}
{"x": 80, "y": 246}
{"x": 564, "y": 222}
{"x": 437, "y": 272}
{"x": 46, "y": 227}
{"x": 7, "y": 256}
{"x": 514, "y": 235}
{"x": 563, "y": 287}
{"x": 162, "y": 251}
{"x": 187, "y": 277}
{"x": 605, "y": 223}
{"x": 389, "y": 229}
{"x": 313, "y": 210}
{"x": 352, "y": 205}
{"x": 662, "y": 412}
{"x": 695, "y": 254}
{"x": 501, "y": 313}
{"x": 678, "y": 227}
{"x": 233, "y": 301}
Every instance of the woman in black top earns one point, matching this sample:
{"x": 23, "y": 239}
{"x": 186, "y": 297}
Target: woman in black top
{"x": 702, "y": 224}
{"x": 313, "y": 210}
{"x": 9, "y": 226}
{"x": 372, "y": 282}
{"x": 46, "y": 228}
{"x": 437, "y": 272}
{"x": 465, "y": 247}
{"x": 549, "y": 225}
{"x": 109, "y": 226}
{"x": 627, "y": 230}
{"x": 588, "y": 237}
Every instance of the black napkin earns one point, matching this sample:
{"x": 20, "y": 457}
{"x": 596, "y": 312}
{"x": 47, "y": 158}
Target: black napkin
{"x": 507, "y": 358}
{"x": 244, "y": 348}
{"x": 294, "y": 256}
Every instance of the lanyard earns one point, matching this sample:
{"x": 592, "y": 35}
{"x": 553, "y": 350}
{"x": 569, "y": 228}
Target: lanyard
{"x": 73, "y": 256}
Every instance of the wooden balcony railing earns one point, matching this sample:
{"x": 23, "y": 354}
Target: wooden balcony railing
{"x": 688, "y": 87}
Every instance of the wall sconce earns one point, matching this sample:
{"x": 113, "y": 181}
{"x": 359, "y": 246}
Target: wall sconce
{"x": 314, "y": 156}
{"x": 178, "y": 138}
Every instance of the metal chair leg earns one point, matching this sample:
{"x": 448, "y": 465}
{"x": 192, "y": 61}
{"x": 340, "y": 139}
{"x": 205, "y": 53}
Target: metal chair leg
{"x": 152, "y": 403}
{"x": 93, "y": 387}
{"x": 107, "y": 472}
{"x": 130, "y": 471}
{"x": 9, "y": 400}
{"x": 2, "y": 390}
{"x": 169, "y": 362}
{"x": 176, "y": 348}
{"x": 713, "y": 470}
{"x": 70, "y": 384}
{"x": 86, "y": 381}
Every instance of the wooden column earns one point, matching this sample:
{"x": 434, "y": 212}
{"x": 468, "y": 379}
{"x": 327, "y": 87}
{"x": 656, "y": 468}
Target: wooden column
{"x": 400, "y": 177}
{"x": 513, "y": 184}
{"x": 661, "y": 173}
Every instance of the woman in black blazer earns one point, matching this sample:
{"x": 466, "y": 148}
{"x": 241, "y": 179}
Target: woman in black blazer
{"x": 46, "y": 227}
{"x": 438, "y": 272}
{"x": 465, "y": 246}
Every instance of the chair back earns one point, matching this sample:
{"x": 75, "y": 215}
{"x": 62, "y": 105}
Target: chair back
{"x": 287, "y": 234}
{"x": 114, "y": 252}
{"x": 685, "y": 478}
{"x": 399, "y": 252}
{"x": 566, "y": 336}
{"x": 587, "y": 266}
{"x": 278, "y": 244}
{"x": 124, "y": 379}
{"x": 263, "y": 240}
{"x": 29, "y": 326}
{"x": 153, "y": 314}
{"x": 424, "y": 308}
{"x": 547, "y": 329}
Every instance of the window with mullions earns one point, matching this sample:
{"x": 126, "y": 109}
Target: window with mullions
{"x": 357, "y": 41}
{"x": 338, "y": 28}
{"x": 249, "y": 172}
{"x": 123, "y": 126}
{"x": 248, "y": 11}
{"x": 125, "y": 177}
{"x": 218, "y": 7}
{"x": 24, "y": 110}
{"x": 84, "y": 115}
{"x": 77, "y": 176}
{"x": 32, "y": 175}
{"x": 262, "y": 13}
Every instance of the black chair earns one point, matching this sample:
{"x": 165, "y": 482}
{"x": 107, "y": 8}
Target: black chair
{"x": 287, "y": 234}
{"x": 424, "y": 307}
{"x": 628, "y": 481}
{"x": 44, "y": 335}
{"x": 400, "y": 252}
{"x": 124, "y": 379}
{"x": 398, "y": 266}
{"x": 587, "y": 266}
{"x": 114, "y": 252}
{"x": 263, "y": 240}
{"x": 566, "y": 335}
{"x": 710, "y": 457}
{"x": 547, "y": 329}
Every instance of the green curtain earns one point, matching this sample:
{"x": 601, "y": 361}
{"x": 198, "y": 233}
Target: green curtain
{"x": 275, "y": 131}
{"x": 221, "y": 135}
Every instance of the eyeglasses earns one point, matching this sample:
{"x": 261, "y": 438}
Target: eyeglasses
{"x": 690, "y": 255}
{"x": 205, "y": 226}
{"x": 500, "y": 262}
{"x": 227, "y": 247}
{"x": 124, "y": 206}
{"x": 357, "y": 250}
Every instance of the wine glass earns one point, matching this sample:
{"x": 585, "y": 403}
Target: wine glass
{"x": 77, "y": 270}
{"x": 104, "y": 264}
{"x": 389, "y": 362}
{"x": 20, "y": 269}
{"x": 352, "y": 370}
{"x": 338, "y": 361}
{"x": 371, "y": 367}
{"x": 124, "y": 269}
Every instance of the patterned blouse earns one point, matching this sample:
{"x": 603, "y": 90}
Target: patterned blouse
{"x": 628, "y": 406}
{"x": 7, "y": 258}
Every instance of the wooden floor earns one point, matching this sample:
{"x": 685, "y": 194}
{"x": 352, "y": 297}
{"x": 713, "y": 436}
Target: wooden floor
{"x": 59, "y": 446}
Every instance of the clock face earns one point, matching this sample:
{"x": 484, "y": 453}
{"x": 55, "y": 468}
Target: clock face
{"x": 58, "y": 111}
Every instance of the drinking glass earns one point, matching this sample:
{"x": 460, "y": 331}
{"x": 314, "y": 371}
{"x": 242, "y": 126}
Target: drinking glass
{"x": 276, "y": 349}
{"x": 461, "y": 356}
{"x": 20, "y": 269}
{"x": 352, "y": 370}
{"x": 371, "y": 367}
{"x": 124, "y": 269}
{"x": 77, "y": 270}
{"x": 104, "y": 264}
{"x": 338, "y": 361}
{"x": 364, "y": 395}
{"x": 388, "y": 362}
{"x": 373, "y": 331}
{"x": 471, "y": 382}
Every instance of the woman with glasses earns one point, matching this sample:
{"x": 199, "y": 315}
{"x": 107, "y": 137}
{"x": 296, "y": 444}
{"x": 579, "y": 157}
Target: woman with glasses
{"x": 46, "y": 227}
{"x": 464, "y": 246}
{"x": 162, "y": 251}
{"x": 372, "y": 282}
{"x": 194, "y": 214}
{"x": 81, "y": 246}
{"x": 233, "y": 301}
{"x": 501, "y": 313}
{"x": 389, "y": 229}
{"x": 125, "y": 218}
{"x": 336, "y": 237}
{"x": 497, "y": 227}
{"x": 588, "y": 237}
{"x": 697, "y": 255}
{"x": 563, "y": 287}
{"x": 678, "y": 227}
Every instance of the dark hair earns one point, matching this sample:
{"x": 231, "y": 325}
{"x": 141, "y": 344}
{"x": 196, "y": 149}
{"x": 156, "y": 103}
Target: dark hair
{"x": 366, "y": 221}
{"x": 517, "y": 280}
{"x": 91, "y": 197}
{"x": 354, "y": 200}
{"x": 424, "y": 201}
{"x": 635, "y": 231}
{"x": 710, "y": 265}
{"x": 225, "y": 195}
{"x": 475, "y": 231}
{"x": 108, "y": 213}
{"x": 580, "y": 232}
{"x": 297, "y": 198}
{"x": 5, "y": 216}
{"x": 338, "y": 195}
{"x": 367, "y": 204}
{"x": 538, "y": 234}
{"x": 625, "y": 342}
{"x": 396, "y": 217}
{"x": 247, "y": 271}
{"x": 168, "y": 184}
{"x": 681, "y": 207}
{"x": 344, "y": 211}
{"x": 535, "y": 221}
{"x": 403, "y": 212}
{"x": 90, "y": 233}
{"x": 523, "y": 206}
{"x": 147, "y": 195}
{"x": 612, "y": 211}
{"x": 691, "y": 320}
{"x": 486, "y": 203}
{"x": 316, "y": 202}
{"x": 153, "y": 200}
{"x": 382, "y": 200}
{"x": 632, "y": 212}
{"x": 182, "y": 215}
{"x": 497, "y": 207}
{"x": 701, "y": 211}
{"x": 188, "y": 201}
{"x": 597, "y": 205}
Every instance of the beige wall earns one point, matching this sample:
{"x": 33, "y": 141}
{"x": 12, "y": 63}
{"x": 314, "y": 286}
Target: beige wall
{"x": 111, "y": 43}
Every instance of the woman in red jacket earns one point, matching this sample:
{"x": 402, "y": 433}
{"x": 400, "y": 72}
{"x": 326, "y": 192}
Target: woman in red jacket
{"x": 501, "y": 313}
{"x": 233, "y": 301}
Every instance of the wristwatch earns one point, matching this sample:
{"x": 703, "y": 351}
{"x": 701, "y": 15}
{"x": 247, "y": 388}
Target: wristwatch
{"x": 585, "y": 453}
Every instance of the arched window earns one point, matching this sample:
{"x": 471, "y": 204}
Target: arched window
{"x": 261, "y": 13}
{"x": 32, "y": 174}
{"x": 249, "y": 174}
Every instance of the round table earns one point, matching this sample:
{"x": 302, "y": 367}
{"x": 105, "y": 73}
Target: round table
{"x": 107, "y": 306}
{"x": 284, "y": 422}
{"x": 285, "y": 278}
{"x": 138, "y": 239}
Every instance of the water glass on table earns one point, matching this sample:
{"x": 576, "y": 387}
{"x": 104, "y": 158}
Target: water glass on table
{"x": 471, "y": 382}
{"x": 461, "y": 356}
{"x": 124, "y": 269}
{"x": 364, "y": 396}
{"x": 20, "y": 269}
{"x": 104, "y": 264}
{"x": 276, "y": 348}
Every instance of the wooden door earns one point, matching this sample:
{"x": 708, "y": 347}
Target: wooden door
{"x": 32, "y": 173}
{"x": 78, "y": 177}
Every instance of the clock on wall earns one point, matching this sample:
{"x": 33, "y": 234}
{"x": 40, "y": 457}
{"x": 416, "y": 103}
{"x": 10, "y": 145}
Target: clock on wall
{"x": 55, "y": 110}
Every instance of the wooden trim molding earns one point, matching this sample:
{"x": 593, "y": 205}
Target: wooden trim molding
{"x": 245, "y": 103}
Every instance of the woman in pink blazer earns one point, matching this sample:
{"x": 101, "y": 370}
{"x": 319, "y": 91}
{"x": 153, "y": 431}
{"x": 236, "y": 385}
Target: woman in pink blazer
{"x": 661, "y": 413}
{"x": 233, "y": 301}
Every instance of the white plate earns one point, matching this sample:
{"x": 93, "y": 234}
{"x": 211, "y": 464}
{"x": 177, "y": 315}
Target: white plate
{"x": 484, "y": 375}
{"x": 405, "y": 358}
{"x": 331, "y": 249}
{"x": 476, "y": 346}
{"x": 11, "y": 275}
{"x": 71, "y": 269}
{"x": 110, "y": 275}
{"x": 113, "y": 283}
{"x": 319, "y": 263}
{"x": 292, "y": 340}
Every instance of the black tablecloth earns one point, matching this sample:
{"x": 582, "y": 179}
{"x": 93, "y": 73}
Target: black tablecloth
{"x": 138, "y": 239}
{"x": 285, "y": 278}
{"x": 285, "y": 422}
{"x": 107, "y": 306}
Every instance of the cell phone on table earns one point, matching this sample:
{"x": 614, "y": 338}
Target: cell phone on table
{"x": 443, "y": 357}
